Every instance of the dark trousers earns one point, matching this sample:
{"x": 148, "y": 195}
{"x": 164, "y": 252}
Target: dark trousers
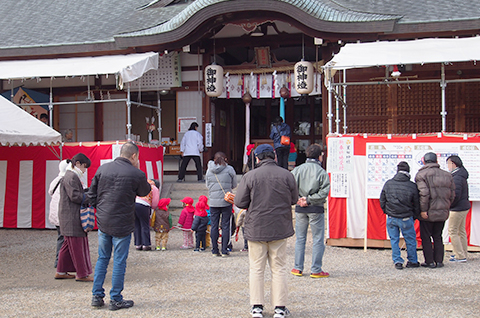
{"x": 226, "y": 214}
{"x": 183, "y": 167}
{"x": 200, "y": 237}
{"x": 282, "y": 156}
{"x": 433, "y": 230}
{"x": 142, "y": 225}
{"x": 60, "y": 240}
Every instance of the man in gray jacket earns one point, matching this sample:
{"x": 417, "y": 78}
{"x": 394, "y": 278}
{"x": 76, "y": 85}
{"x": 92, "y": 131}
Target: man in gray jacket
{"x": 437, "y": 191}
{"x": 268, "y": 193}
{"x": 313, "y": 187}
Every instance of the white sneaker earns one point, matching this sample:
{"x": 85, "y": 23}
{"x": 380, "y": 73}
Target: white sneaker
{"x": 256, "y": 312}
{"x": 280, "y": 313}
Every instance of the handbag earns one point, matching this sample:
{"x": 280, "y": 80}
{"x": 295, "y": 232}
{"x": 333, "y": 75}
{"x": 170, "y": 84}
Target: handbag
{"x": 228, "y": 196}
{"x": 284, "y": 140}
{"x": 87, "y": 216}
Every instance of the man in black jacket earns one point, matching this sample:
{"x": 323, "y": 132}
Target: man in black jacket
{"x": 400, "y": 201}
{"x": 113, "y": 191}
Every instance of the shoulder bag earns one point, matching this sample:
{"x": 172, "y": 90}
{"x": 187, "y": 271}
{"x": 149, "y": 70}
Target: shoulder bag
{"x": 229, "y": 196}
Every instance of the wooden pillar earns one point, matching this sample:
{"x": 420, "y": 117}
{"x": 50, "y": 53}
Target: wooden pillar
{"x": 460, "y": 107}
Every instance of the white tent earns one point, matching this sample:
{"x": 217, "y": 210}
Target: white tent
{"x": 128, "y": 67}
{"x": 17, "y": 127}
{"x": 356, "y": 55}
{"x": 360, "y": 55}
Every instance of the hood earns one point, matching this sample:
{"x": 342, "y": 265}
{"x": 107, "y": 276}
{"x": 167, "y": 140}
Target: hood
{"x": 213, "y": 167}
{"x": 460, "y": 172}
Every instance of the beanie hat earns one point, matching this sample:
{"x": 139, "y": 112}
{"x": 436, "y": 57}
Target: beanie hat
{"x": 62, "y": 168}
{"x": 430, "y": 157}
{"x": 163, "y": 203}
{"x": 403, "y": 166}
{"x": 200, "y": 209}
{"x": 204, "y": 199}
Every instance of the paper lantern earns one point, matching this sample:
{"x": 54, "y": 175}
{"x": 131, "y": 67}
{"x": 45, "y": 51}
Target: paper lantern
{"x": 213, "y": 80}
{"x": 304, "y": 77}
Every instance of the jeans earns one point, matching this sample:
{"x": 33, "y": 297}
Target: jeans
{"x": 226, "y": 213}
{"x": 282, "y": 156}
{"x": 317, "y": 226}
{"x": 120, "y": 247}
{"x": 406, "y": 225}
{"x": 142, "y": 225}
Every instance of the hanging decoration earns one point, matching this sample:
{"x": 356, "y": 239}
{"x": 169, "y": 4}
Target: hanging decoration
{"x": 304, "y": 77}
{"x": 213, "y": 80}
{"x": 214, "y": 77}
{"x": 247, "y": 98}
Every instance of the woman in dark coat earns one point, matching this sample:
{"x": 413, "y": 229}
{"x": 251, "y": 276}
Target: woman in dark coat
{"x": 74, "y": 255}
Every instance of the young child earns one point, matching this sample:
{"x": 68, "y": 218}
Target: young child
{"x": 240, "y": 221}
{"x": 162, "y": 224}
{"x": 200, "y": 226}
{"x": 185, "y": 222}
{"x": 204, "y": 199}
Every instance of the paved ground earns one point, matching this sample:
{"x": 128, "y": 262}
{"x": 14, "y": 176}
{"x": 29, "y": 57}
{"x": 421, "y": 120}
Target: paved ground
{"x": 181, "y": 283}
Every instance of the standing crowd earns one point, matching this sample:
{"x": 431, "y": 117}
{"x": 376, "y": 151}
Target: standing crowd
{"x": 126, "y": 202}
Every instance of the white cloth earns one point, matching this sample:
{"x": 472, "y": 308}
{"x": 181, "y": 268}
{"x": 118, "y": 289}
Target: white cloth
{"x": 53, "y": 214}
{"x": 192, "y": 143}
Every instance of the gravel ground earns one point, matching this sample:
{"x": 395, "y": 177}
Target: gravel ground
{"x": 181, "y": 283}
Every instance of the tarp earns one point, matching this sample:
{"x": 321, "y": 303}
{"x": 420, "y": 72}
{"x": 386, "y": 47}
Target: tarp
{"x": 357, "y": 55}
{"x": 20, "y": 128}
{"x": 127, "y": 67}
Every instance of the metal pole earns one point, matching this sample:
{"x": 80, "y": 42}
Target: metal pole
{"x": 330, "y": 115}
{"x": 344, "y": 102}
{"x": 129, "y": 115}
{"x": 159, "y": 113}
{"x": 50, "y": 105}
{"x": 443, "y": 85}
{"x": 337, "y": 112}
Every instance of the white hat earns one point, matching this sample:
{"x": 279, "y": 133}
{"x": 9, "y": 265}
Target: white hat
{"x": 62, "y": 167}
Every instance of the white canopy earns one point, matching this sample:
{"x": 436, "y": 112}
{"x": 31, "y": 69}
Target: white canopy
{"x": 19, "y": 127}
{"x": 357, "y": 55}
{"x": 128, "y": 67}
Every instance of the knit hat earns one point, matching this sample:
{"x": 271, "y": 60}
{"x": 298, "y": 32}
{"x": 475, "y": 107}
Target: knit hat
{"x": 249, "y": 149}
{"x": 430, "y": 157}
{"x": 163, "y": 203}
{"x": 200, "y": 209}
{"x": 403, "y": 166}
{"x": 62, "y": 168}
{"x": 204, "y": 199}
{"x": 263, "y": 148}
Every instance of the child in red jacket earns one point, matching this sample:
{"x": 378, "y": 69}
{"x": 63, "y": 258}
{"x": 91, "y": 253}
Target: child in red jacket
{"x": 185, "y": 222}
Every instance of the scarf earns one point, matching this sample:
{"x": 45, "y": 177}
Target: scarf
{"x": 78, "y": 172}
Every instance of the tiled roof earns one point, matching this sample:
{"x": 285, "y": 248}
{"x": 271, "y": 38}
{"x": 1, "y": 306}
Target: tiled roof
{"x": 48, "y": 27}
{"x": 322, "y": 10}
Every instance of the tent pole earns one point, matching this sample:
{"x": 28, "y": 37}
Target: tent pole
{"x": 337, "y": 110}
{"x": 50, "y": 105}
{"x": 344, "y": 101}
{"x": 159, "y": 113}
{"x": 330, "y": 115}
{"x": 129, "y": 115}
{"x": 443, "y": 85}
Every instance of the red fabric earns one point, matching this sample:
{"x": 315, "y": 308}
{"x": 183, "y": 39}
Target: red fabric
{"x": 39, "y": 155}
{"x": 468, "y": 224}
{"x": 163, "y": 203}
{"x": 200, "y": 209}
{"x": 377, "y": 222}
{"x": 337, "y": 217}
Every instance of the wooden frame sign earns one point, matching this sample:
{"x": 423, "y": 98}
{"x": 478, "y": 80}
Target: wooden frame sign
{"x": 262, "y": 56}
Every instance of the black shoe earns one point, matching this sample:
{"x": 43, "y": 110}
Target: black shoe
{"x": 429, "y": 265}
{"x": 440, "y": 265}
{"x": 412, "y": 265}
{"x": 399, "y": 266}
{"x": 146, "y": 248}
{"x": 180, "y": 180}
{"x": 116, "y": 305}
{"x": 97, "y": 301}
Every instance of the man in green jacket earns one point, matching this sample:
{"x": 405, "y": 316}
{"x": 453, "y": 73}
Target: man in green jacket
{"x": 313, "y": 186}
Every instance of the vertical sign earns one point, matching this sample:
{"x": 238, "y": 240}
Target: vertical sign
{"x": 208, "y": 135}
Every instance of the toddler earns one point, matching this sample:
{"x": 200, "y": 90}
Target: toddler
{"x": 162, "y": 224}
{"x": 204, "y": 199}
{"x": 199, "y": 225}
{"x": 185, "y": 222}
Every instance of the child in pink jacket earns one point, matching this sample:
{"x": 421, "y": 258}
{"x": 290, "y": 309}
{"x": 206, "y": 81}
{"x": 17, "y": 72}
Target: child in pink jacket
{"x": 185, "y": 222}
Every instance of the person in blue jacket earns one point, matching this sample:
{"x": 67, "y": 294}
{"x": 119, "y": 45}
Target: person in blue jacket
{"x": 279, "y": 129}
